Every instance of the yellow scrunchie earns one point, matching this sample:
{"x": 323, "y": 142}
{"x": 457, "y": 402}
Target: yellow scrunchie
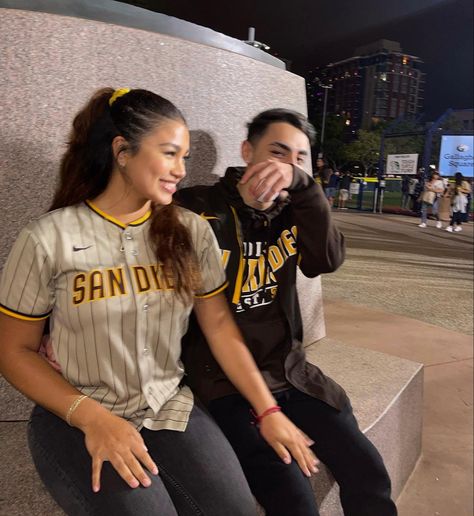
{"x": 118, "y": 93}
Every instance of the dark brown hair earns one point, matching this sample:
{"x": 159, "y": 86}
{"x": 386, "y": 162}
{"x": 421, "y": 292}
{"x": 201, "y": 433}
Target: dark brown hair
{"x": 88, "y": 162}
{"x": 258, "y": 126}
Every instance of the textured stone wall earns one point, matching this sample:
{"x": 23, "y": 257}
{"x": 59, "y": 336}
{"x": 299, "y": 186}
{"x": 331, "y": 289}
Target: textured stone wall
{"x": 51, "y": 64}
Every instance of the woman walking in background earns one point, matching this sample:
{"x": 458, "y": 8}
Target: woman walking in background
{"x": 430, "y": 196}
{"x": 322, "y": 173}
{"x": 444, "y": 208}
{"x": 458, "y": 193}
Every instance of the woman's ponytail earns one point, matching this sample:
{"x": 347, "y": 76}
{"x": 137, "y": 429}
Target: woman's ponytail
{"x": 87, "y": 163}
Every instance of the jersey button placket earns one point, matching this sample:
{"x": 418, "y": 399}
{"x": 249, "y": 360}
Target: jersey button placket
{"x": 143, "y": 346}
{"x": 128, "y": 243}
{"x": 130, "y": 250}
{"x": 145, "y": 309}
{"x": 144, "y": 353}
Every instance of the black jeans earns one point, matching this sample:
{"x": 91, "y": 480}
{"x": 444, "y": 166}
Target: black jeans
{"x": 457, "y": 218}
{"x": 199, "y": 473}
{"x": 282, "y": 489}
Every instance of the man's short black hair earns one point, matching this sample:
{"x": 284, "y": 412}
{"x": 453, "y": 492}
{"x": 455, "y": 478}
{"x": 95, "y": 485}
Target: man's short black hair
{"x": 258, "y": 126}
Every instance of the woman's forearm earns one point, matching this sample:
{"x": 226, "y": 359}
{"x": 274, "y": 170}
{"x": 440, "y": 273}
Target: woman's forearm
{"x": 230, "y": 351}
{"x": 241, "y": 369}
{"x": 27, "y": 371}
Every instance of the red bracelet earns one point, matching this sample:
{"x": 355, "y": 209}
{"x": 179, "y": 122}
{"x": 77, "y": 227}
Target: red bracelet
{"x": 271, "y": 410}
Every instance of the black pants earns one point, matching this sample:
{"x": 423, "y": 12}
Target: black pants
{"x": 457, "y": 218}
{"x": 282, "y": 489}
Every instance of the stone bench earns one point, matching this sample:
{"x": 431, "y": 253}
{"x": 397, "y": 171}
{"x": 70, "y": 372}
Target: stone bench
{"x": 386, "y": 393}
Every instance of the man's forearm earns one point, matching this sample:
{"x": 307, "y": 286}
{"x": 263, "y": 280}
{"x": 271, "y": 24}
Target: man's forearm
{"x": 320, "y": 244}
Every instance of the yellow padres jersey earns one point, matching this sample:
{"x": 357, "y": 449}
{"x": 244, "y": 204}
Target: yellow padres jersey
{"x": 116, "y": 323}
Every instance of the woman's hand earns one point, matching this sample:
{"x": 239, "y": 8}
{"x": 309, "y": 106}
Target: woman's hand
{"x": 109, "y": 437}
{"x": 286, "y": 438}
{"x": 233, "y": 356}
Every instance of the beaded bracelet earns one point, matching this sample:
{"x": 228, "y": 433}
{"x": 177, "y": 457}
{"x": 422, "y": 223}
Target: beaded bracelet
{"x": 73, "y": 407}
{"x": 270, "y": 410}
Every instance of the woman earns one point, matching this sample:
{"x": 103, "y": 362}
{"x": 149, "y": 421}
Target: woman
{"x": 115, "y": 267}
{"x": 332, "y": 187}
{"x": 458, "y": 193}
{"x": 322, "y": 173}
{"x": 430, "y": 199}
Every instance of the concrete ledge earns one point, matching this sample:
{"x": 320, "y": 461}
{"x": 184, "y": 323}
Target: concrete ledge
{"x": 127, "y": 15}
{"x": 386, "y": 393}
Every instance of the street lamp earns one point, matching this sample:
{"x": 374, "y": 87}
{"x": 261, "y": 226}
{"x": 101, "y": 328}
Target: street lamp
{"x": 323, "y": 124}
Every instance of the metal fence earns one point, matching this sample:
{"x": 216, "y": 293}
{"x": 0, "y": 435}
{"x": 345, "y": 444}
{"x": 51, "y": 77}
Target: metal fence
{"x": 365, "y": 196}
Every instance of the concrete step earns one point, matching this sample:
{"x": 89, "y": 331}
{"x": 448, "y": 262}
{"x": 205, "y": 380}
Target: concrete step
{"x": 386, "y": 393}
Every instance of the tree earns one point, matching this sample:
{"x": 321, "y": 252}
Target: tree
{"x": 412, "y": 143}
{"x": 333, "y": 145}
{"x": 365, "y": 149}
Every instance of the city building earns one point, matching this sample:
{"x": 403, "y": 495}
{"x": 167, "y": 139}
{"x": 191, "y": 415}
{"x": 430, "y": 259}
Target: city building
{"x": 379, "y": 83}
{"x": 465, "y": 119}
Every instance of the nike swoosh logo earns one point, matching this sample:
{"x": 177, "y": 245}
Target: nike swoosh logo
{"x": 76, "y": 248}
{"x": 208, "y": 217}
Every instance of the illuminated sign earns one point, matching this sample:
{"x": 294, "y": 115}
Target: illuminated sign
{"x": 457, "y": 155}
{"x": 398, "y": 164}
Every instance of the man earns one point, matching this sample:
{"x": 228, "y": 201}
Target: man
{"x": 344, "y": 190}
{"x": 332, "y": 186}
{"x": 269, "y": 218}
{"x": 405, "y": 188}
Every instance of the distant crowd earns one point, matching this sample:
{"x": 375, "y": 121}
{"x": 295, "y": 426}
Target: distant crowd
{"x": 335, "y": 184}
{"x": 447, "y": 201}
{"x": 429, "y": 197}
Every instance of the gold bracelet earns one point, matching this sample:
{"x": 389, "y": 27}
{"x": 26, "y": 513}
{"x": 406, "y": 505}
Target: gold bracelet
{"x": 73, "y": 407}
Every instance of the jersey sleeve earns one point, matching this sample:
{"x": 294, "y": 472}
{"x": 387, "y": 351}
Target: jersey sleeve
{"x": 26, "y": 284}
{"x": 210, "y": 261}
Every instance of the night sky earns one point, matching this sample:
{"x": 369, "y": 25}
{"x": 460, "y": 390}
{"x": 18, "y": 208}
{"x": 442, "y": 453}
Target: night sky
{"x": 312, "y": 33}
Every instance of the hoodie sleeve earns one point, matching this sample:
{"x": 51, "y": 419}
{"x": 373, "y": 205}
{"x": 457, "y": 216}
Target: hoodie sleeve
{"x": 320, "y": 244}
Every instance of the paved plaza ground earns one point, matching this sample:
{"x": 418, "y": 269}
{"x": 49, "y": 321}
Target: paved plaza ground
{"x": 408, "y": 292}
{"x": 394, "y": 265}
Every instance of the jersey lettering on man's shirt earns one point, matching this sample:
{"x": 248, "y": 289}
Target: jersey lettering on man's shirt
{"x": 260, "y": 285}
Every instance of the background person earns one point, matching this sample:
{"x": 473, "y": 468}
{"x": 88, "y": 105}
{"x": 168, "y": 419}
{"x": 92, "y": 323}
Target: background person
{"x": 444, "y": 207}
{"x": 331, "y": 189}
{"x": 458, "y": 193}
{"x": 405, "y": 189}
{"x": 344, "y": 189}
{"x": 117, "y": 268}
{"x": 417, "y": 191}
{"x": 412, "y": 192}
{"x": 432, "y": 191}
{"x": 322, "y": 172}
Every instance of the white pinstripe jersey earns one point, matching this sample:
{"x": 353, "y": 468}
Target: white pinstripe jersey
{"x": 116, "y": 322}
